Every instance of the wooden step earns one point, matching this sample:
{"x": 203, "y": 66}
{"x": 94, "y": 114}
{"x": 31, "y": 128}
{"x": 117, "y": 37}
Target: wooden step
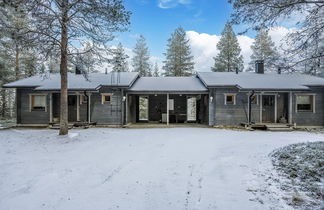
{"x": 57, "y": 126}
{"x": 277, "y": 125}
{"x": 280, "y": 129}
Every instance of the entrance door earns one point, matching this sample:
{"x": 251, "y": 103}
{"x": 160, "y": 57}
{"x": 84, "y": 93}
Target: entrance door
{"x": 143, "y": 108}
{"x": 268, "y": 108}
{"x": 72, "y": 108}
{"x": 191, "y": 109}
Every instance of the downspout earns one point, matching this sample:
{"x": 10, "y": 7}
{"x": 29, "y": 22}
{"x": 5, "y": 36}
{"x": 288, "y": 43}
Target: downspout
{"x": 250, "y": 107}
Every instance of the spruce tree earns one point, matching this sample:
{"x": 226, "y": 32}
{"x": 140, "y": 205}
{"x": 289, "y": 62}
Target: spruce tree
{"x": 141, "y": 57}
{"x": 156, "y": 70}
{"x": 179, "y": 61}
{"x": 228, "y": 58}
{"x": 119, "y": 60}
{"x": 264, "y": 49}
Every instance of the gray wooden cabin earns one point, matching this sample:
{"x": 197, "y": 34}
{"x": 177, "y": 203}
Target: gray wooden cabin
{"x": 98, "y": 98}
{"x": 211, "y": 98}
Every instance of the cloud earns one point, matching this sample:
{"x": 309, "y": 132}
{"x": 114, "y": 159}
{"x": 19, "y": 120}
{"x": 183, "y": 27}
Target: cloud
{"x": 166, "y": 4}
{"x": 203, "y": 46}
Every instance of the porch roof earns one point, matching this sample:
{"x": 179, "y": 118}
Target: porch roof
{"x": 168, "y": 84}
{"x": 76, "y": 81}
{"x": 266, "y": 81}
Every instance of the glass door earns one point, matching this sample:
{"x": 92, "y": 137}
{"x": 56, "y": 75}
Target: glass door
{"x": 143, "y": 108}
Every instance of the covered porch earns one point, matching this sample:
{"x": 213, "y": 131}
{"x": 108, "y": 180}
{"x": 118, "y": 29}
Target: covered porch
{"x": 79, "y": 108}
{"x": 167, "y": 108}
{"x": 276, "y": 110}
{"x": 167, "y": 100}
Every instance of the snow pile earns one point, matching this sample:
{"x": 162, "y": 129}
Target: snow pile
{"x": 301, "y": 167}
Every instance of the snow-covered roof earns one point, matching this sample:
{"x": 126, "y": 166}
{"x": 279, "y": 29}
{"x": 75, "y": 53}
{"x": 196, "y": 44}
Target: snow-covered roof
{"x": 168, "y": 84}
{"x": 76, "y": 81}
{"x": 266, "y": 81}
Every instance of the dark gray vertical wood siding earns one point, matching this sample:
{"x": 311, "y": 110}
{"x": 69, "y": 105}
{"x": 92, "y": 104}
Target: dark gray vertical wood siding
{"x": 24, "y": 115}
{"x": 310, "y": 118}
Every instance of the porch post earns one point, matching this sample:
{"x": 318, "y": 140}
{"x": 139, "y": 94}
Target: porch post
{"x": 290, "y": 108}
{"x": 167, "y": 108}
{"x": 51, "y": 107}
{"x": 126, "y": 112}
{"x": 78, "y": 107}
{"x": 261, "y": 107}
{"x": 122, "y": 107}
{"x": 276, "y": 108}
{"x": 89, "y": 105}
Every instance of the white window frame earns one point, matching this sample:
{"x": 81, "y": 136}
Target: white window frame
{"x": 230, "y": 94}
{"x": 257, "y": 98}
{"x": 83, "y": 99}
{"x": 313, "y": 105}
{"x": 103, "y": 98}
{"x": 31, "y": 102}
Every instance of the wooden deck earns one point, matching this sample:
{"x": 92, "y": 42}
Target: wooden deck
{"x": 73, "y": 125}
{"x": 270, "y": 126}
{"x": 164, "y": 125}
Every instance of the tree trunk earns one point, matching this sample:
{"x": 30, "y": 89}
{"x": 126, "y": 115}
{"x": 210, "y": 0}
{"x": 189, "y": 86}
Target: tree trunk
{"x": 17, "y": 69}
{"x": 3, "y": 111}
{"x": 63, "y": 71}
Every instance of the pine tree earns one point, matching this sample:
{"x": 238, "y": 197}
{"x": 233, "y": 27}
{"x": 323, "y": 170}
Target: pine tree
{"x": 303, "y": 43}
{"x": 119, "y": 60}
{"x": 179, "y": 61}
{"x": 14, "y": 26}
{"x": 156, "y": 70}
{"x": 150, "y": 71}
{"x": 228, "y": 58}
{"x": 141, "y": 57}
{"x": 264, "y": 49}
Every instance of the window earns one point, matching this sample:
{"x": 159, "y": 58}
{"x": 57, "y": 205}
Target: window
{"x": 230, "y": 99}
{"x": 83, "y": 99}
{"x": 254, "y": 99}
{"x": 38, "y": 102}
{"x": 106, "y": 98}
{"x": 305, "y": 103}
{"x": 171, "y": 104}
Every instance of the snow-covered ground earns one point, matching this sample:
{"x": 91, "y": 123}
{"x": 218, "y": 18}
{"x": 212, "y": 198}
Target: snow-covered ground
{"x": 176, "y": 168}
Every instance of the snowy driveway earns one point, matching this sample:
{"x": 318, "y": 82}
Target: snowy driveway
{"x": 177, "y": 168}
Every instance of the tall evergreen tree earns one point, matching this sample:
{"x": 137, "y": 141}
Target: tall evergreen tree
{"x": 228, "y": 58}
{"x": 150, "y": 71}
{"x": 156, "y": 70}
{"x": 14, "y": 26}
{"x": 119, "y": 60}
{"x": 264, "y": 49}
{"x": 141, "y": 58}
{"x": 179, "y": 61}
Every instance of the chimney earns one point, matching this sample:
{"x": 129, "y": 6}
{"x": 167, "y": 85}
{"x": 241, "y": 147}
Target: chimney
{"x": 77, "y": 69}
{"x": 259, "y": 66}
{"x": 236, "y": 70}
{"x": 279, "y": 70}
{"x": 106, "y": 71}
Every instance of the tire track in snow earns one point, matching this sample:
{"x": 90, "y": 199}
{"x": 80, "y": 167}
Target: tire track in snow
{"x": 113, "y": 173}
{"x": 194, "y": 188}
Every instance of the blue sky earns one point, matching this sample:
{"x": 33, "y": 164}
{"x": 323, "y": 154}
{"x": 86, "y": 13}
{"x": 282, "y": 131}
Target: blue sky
{"x": 203, "y": 20}
{"x": 156, "y": 19}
